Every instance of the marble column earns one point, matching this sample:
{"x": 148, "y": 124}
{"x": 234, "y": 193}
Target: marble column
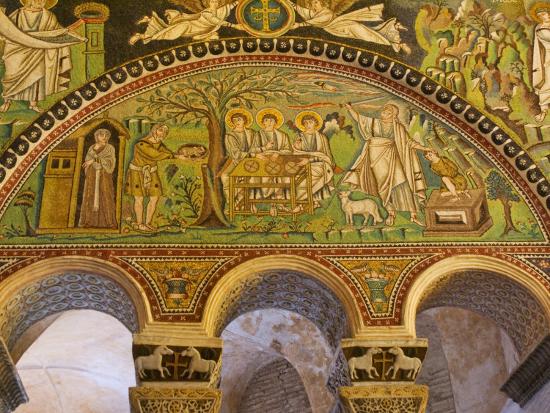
{"x": 383, "y": 375}
{"x": 12, "y": 393}
{"x": 176, "y": 375}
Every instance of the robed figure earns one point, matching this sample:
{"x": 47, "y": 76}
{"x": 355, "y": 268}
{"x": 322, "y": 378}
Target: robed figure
{"x": 203, "y": 25}
{"x": 351, "y": 24}
{"x": 541, "y": 59}
{"x": 316, "y": 149}
{"x": 388, "y": 166}
{"x": 97, "y": 209}
{"x": 36, "y": 54}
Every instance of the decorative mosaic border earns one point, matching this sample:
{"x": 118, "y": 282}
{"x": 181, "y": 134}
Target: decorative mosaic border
{"x": 27, "y": 148}
{"x": 192, "y": 308}
{"x": 396, "y": 288}
{"x": 119, "y": 257}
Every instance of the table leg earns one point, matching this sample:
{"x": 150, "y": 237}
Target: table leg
{"x": 231, "y": 198}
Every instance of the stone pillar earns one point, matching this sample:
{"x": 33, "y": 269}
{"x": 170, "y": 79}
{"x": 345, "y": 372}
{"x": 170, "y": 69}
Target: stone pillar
{"x": 531, "y": 375}
{"x": 89, "y": 58}
{"x": 176, "y": 375}
{"x": 12, "y": 393}
{"x": 383, "y": 375}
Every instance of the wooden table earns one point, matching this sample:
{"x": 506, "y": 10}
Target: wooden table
{"x": 283, "y": 174}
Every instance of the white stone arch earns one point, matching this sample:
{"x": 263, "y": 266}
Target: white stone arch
{"x": 298, "y": 265}
{"x": 47, "y": 271}
{"x": 448, "y": 268}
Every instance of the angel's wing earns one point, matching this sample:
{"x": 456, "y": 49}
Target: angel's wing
{"x": 366, "y": 14}
{"x": 197, "y": 5}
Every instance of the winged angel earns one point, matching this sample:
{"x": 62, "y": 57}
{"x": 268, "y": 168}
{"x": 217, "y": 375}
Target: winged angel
{"x": 204, "y": 24}
{"x": 324, "y": 14}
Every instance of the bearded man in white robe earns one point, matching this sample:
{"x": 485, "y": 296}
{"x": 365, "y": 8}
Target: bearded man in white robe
{"x": 388, "y": 166}
{"x": 36, "y": 54}
{"x": 198, "y": 26}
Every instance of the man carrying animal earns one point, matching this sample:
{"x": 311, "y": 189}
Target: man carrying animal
{"x": 388, "y": 166}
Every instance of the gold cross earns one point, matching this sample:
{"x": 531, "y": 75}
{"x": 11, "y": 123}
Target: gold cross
{"x": 176, "y": 364}
{"x": 386, "y": 363}
{"x": 266, "y": 15}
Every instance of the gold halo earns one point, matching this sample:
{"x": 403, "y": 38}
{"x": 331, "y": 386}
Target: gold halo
{"x": 246, "y": 113}
{"x": 301, "y": 116}
{"x": 538, "y": 6}
{"x": 270, "y": 111}
{"x": 49, "y": 3}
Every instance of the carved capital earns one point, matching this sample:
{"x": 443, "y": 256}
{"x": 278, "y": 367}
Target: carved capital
{"x": 12, "y": 392}
{"x": 184, "y": 364}
{"x": 384, "y": 361}
{"x": 168, "y": 400}
{"x": 387, "y": 398}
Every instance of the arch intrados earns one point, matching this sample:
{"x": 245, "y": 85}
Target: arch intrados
{"x": 309, "y": 268}
{"x": 88, "y": 265}
{"x": 460, "y": 263}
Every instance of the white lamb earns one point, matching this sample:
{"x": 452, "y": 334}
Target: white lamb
{"x": 365, "y": 207}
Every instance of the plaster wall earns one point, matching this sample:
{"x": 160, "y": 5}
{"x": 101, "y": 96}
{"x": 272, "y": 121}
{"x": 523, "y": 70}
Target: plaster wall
{"x": 82, "y": 363}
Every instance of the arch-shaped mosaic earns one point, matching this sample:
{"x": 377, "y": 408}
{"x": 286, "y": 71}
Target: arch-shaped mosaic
{"x": 279, "y": 73}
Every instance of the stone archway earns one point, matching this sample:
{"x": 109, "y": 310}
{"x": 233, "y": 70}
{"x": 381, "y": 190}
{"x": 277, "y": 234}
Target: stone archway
{"x": 481, "y": 301}
{"x": 308, "y": 299}
{"x": 32, "y": 298}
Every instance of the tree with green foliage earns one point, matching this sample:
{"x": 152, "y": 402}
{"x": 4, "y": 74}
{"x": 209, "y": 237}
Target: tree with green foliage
{"x": 499, "y": 189}
{"x": 207, "y": 101}
{"x": 25, "y": 201}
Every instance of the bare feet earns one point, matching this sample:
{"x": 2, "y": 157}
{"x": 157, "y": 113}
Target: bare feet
{"x": 34, "y": 106}
{"x": 5, "y": 106}
{"x": 135, "y": 38}
{"x": 390, "y": 220}
{"x": 540, "y": 117}
{"x": 143, "y": 20}
{"x": 415, "y": 220}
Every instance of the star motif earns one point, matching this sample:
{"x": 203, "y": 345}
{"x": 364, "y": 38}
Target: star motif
{"x": 413, "y": 79}
{"x": 283, "y": 44}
